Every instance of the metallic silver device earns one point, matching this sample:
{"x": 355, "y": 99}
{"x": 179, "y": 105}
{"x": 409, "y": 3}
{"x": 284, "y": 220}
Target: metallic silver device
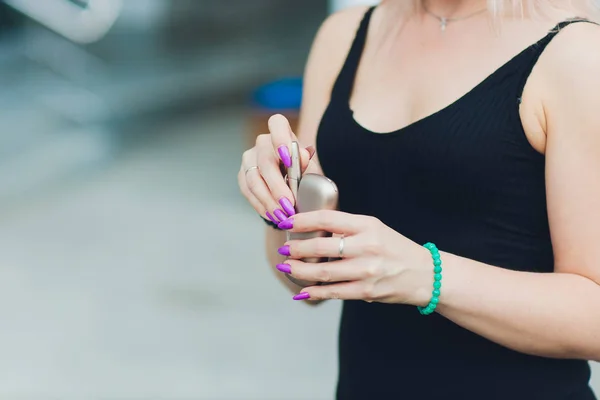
{"x": 312, "y": 192}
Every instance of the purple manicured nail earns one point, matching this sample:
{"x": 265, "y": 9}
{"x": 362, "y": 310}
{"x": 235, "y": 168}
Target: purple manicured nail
{"x": 284, "y": 250}
{"x": 302, "y": 296}
{"x": 284, "y": 153}
{"x": 273, "y": 220}
{"x": 286, "y": 269}
{"x": 280, "y": 215}
{"x": 287, "y": 224}
{"x": 287, "y": 205}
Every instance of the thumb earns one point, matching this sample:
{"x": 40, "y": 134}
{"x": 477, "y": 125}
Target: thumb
{"x": 306, "y": 154}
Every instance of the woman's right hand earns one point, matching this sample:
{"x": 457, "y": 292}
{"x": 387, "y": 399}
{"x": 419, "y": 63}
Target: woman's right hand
{"x": 260, "y": 177}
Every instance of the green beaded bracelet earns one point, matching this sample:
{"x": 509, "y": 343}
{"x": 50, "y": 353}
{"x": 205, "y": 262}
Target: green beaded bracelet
{"x": 437, "y": 280}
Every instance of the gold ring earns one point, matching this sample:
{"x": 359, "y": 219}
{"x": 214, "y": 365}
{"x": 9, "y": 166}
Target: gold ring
{"x": 341, "y": 248}
{"x": 250, "y": 169}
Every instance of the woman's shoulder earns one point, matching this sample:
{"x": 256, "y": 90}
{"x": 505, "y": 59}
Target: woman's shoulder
{"x": 572, "y": 58}
{"x": 337, "y": 32}
{"x": 328, "y": 53}
{"x": 570, "y": 72}
{"x": 574, "y": 47}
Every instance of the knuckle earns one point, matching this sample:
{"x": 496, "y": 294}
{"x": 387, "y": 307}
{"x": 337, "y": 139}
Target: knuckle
{"x": 320, "y": 248}
{"x": 373, "y": 271}
{"x": 324, "y": 275}
{"x": 334, "y": 294}
{"x": 368, "y": 292}
{"x": 372, "y": 221}
{"x": 247, "y": 156}
{"x": 264, "y": 138}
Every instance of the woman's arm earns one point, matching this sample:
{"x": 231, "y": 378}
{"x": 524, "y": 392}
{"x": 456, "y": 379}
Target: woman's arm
{"x": 552, "y": 315}
{"x": 555, "y": 315}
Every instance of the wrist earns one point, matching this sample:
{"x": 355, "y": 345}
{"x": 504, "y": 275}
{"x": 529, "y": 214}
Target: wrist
{"x": 437, "y": 280}
{"x": 423, "y": 278}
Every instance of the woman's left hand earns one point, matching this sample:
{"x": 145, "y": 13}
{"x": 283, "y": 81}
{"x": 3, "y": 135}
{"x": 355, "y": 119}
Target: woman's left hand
{"x": 377, "y": 263}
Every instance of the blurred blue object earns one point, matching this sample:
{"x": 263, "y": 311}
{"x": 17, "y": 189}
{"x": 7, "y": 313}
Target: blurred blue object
{"x": 280, "y": 95}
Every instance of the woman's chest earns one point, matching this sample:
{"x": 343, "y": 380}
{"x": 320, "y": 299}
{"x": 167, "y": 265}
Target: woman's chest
{"x": 463, "y": 163}
{"x": 394, "y": 89}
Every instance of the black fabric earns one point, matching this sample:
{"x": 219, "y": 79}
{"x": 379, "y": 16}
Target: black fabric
{"x": 466, "y": 179}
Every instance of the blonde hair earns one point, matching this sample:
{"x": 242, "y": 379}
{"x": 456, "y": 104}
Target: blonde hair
{"x": 520, "y": 8}
{"x": 581, "y": 8}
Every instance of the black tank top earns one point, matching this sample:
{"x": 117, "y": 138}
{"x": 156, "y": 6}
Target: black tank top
{"x": 467, "y": 179}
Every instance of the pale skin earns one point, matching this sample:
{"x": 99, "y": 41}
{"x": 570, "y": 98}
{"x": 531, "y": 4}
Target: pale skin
{"x": 553, "y": 315}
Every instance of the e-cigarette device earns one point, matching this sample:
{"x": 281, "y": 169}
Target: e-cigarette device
{"x": 312, "y": 192}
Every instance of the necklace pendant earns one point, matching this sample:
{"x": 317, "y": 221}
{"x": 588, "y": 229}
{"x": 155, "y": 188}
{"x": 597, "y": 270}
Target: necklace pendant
{"x": 443, "y": 24}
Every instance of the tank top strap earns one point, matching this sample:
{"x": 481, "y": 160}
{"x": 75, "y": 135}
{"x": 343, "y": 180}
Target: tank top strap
{"x": 536, "y": 50}
{"x": 345, "y": 80}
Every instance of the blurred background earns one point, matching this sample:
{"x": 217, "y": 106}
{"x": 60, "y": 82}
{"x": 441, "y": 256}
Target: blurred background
{"x": 130, "y": 267}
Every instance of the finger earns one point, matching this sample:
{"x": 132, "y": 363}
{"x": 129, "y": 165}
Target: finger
{"x": 306, "y": 155}
{"x": 259, "y": 189}
{"x": 254, "y": 202}
{"x": 249, "y": 160}
{"x": 322, "y": 247}
{"x": 339, "y": 291}
{"x": 271, "y": 174}
{"x": 329, "y": 272}
{"x": 329, "y": 221}
{"x": 282, "y": 137}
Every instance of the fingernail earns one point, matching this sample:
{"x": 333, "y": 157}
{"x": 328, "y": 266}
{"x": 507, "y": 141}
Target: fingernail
{"x": 284, "y": 250}
{"x": 287, "y": 205}
{"x": 273, "y": 220}
{"x": 311, "y": 152}
{"x": 302, "y": 296}
{"x": 284, "y": 153}
{"x": 287, "y": 224}
{"x": 280, "y": 215}
{"x": 286, "y": 269}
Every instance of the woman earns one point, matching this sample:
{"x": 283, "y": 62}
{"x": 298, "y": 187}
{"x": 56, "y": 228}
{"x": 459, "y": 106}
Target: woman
{"x": 473, "y": 125}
